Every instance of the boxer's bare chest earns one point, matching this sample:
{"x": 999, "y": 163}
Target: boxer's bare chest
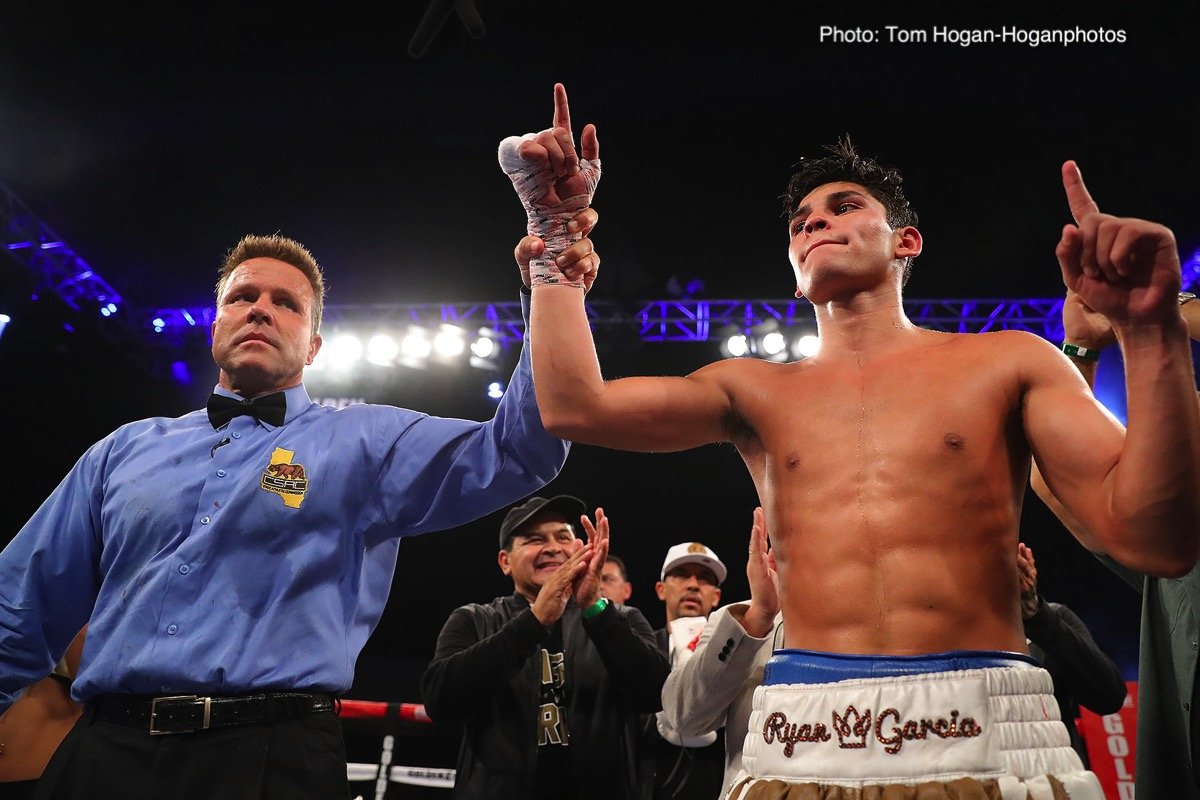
{"x": 914, "y": 426}
{"x": 892, "y": 489}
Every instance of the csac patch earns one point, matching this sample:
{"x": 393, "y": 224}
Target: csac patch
{"x": 285, "y": 479}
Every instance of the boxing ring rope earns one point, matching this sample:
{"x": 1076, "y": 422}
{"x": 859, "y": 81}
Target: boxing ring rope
{"x": 436, "y": 777}
{"x": 377, "y": 709}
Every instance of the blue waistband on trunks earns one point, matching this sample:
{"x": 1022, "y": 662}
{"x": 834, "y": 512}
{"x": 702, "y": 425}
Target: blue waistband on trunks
{"x": 810, "y": 666}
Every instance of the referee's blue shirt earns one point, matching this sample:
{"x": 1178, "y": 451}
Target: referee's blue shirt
{"x": 264, "y": 562}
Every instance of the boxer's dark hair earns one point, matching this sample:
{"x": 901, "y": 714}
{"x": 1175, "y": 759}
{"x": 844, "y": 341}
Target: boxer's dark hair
{"x": 845, "y": 164}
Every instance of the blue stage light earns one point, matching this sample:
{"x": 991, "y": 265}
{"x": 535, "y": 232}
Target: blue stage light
{"x": 180, "y": 372}
{"x": 1191, "y": 272}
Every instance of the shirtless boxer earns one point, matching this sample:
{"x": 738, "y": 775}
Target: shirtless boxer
{"x": 892, "y": 467}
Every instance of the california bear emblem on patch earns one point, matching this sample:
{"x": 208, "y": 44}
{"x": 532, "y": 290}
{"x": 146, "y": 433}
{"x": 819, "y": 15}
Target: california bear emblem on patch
{"x": 284, "y": 478}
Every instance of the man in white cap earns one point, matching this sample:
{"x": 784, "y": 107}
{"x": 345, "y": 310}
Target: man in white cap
{"x": 690, "y": 588}
{"x": 689, "y": 585}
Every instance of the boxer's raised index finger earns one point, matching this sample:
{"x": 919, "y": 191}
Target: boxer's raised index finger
{"x": 1078, "y": 197}
{"x": 562, "y": 112}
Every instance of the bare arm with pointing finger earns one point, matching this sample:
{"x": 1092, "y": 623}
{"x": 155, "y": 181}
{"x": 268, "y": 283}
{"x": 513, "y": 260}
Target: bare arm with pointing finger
{"x": 1137, "y": 498}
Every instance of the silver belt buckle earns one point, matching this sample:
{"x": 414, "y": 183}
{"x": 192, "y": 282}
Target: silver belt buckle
{"x": 187, "y": 697}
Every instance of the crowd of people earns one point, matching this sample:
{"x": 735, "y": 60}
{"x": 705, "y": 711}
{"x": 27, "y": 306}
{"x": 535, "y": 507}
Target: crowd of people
{"x": 894, "y": 643}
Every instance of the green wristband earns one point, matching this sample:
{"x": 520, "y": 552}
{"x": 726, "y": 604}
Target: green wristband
{"x": 1081, "y": 352}
{"x": 595, "y": 608}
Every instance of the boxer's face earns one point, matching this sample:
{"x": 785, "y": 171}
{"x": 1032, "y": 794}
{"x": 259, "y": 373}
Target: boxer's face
{"x": 840, "y": 239}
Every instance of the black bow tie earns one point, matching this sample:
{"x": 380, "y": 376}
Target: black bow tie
{"x": 270, "y": 408}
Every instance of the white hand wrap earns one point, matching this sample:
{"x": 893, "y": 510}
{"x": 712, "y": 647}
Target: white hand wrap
{"x": 547, "y": 222}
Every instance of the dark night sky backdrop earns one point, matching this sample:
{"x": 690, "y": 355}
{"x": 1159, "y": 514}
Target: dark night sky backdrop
{"x": 152, "y": 140}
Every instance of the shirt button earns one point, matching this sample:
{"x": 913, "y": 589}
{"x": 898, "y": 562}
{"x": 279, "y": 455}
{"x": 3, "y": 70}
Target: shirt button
{"x": 172, "y": 630}
{"x": 184, "y": 569}
{"x": 236, "y": 435}
{"x": 220, "y": 473}
{"x": 205, "y": 520}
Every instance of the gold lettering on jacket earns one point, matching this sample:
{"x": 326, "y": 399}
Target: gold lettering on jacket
{"x": 552, "y": 718}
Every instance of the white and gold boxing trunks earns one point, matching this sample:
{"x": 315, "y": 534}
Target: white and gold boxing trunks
{"x": 964, "y": 725}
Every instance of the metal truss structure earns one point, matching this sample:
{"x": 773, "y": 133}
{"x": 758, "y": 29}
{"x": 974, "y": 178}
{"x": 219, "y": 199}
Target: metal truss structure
{"x": 704, "y": 320}
{"x": 156, "y": 337}
{"x": 59, "y": 270}
{"x": 44, "y": 253}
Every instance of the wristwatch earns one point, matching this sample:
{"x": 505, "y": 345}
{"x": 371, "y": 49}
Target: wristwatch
{"x": 1186, "y": 297}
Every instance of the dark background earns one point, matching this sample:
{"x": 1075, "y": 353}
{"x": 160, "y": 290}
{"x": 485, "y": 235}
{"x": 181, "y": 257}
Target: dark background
{"x": 150, "y": 140}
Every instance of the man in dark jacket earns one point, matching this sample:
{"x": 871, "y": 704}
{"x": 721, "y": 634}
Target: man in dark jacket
{"x": 548, "y": 682}
{"x": 1084, "y": 675}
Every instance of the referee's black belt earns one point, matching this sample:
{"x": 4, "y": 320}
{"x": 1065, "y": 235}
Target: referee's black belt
{"x": 187, "y": 713}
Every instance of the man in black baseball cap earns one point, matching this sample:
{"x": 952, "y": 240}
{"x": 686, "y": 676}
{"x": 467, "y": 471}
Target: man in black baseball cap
{"x": 570, "y": 508}
{"x": 548, "y": 682}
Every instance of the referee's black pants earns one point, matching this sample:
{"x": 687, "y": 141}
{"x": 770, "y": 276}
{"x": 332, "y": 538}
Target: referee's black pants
{"x": 299, "y": 759}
